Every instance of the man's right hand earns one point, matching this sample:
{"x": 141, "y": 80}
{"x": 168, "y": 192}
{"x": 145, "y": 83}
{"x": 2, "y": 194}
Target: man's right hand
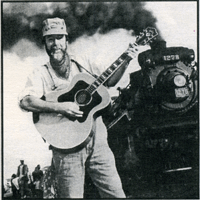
{"x": 69, "y": 109}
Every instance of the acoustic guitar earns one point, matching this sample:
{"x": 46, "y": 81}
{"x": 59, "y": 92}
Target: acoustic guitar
{"x": 92, "y": 97}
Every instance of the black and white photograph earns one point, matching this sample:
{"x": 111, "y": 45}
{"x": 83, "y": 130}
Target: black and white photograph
{"x": 100, "y": 99}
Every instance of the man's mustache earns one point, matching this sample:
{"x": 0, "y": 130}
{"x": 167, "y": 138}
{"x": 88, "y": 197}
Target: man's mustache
{"x": 53, "y": 50}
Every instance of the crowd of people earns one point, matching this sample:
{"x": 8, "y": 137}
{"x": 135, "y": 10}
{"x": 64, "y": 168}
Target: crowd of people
{"x": 25, "y": 184}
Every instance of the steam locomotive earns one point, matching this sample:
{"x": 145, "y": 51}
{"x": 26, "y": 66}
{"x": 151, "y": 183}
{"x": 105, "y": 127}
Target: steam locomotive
{"x": 153, "y": 125}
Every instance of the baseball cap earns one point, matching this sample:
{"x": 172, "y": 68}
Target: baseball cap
{"x": 53, "y": 26}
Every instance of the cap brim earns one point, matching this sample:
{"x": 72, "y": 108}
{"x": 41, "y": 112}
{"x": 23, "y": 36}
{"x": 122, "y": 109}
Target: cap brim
{"x": 55, "y": 32}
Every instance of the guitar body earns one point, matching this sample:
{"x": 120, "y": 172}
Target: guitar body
{"x": 71, "y": 133}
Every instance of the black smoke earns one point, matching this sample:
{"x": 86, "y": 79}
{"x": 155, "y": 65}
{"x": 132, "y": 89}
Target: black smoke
{"x": 24, "y": 20}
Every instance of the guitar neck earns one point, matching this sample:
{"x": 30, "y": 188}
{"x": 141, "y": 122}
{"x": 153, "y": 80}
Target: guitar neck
{"x": 124, "y": 58}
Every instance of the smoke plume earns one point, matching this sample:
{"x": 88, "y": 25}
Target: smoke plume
{"x": 24, "y": 20}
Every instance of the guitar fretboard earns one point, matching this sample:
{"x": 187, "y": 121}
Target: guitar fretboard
{"x": 108, "y": 72}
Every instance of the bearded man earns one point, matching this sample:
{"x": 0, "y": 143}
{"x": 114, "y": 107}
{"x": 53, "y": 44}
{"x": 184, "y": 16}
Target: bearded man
{"x": 96, "y": 157}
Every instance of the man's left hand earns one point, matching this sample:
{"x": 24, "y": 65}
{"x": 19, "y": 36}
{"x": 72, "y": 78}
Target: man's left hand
{"x": 132, "y": 51}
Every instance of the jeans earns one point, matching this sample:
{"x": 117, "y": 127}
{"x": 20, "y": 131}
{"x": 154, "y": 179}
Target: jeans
{"x": 100, "y": 164}
{"x": 23, "y": 187}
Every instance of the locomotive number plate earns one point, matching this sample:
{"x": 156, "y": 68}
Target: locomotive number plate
{"x": 181, "y": 92}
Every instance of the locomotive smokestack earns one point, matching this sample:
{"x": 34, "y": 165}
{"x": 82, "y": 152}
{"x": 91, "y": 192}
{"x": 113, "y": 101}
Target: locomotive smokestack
{"x": 158, "y": 45}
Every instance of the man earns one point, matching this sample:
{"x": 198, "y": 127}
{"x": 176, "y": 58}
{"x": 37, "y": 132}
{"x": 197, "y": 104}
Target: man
{"x": 37, "y": 176}
{"x": 22, "y": 173}
{"x": 96, "y": 156}
{"x": 37, "y": 173}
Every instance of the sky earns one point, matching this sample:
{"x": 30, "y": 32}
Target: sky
{"x": 177, "y": 25}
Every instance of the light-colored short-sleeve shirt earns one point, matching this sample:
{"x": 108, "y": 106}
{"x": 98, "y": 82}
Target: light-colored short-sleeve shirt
{"x": 44, "y": 79}
{"x": 21, "y": 171}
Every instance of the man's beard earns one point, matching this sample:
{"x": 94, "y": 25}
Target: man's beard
{"x": 57, "y": 56}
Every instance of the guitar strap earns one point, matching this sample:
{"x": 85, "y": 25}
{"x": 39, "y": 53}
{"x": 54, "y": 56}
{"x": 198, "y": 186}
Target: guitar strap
{"x": 80, "y": 67}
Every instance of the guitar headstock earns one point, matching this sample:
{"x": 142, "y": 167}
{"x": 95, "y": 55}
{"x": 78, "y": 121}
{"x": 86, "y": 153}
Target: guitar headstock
{"x": 146, "y": 36}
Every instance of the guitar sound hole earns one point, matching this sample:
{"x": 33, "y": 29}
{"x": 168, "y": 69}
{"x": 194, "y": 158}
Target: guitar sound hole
{"x": 83, "y": 97}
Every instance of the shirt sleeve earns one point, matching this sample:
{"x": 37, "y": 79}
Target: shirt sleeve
{"x": 34, "y": 86}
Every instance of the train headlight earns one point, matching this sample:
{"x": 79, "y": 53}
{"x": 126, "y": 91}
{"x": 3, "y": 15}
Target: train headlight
{"x": 179, "y": 80}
